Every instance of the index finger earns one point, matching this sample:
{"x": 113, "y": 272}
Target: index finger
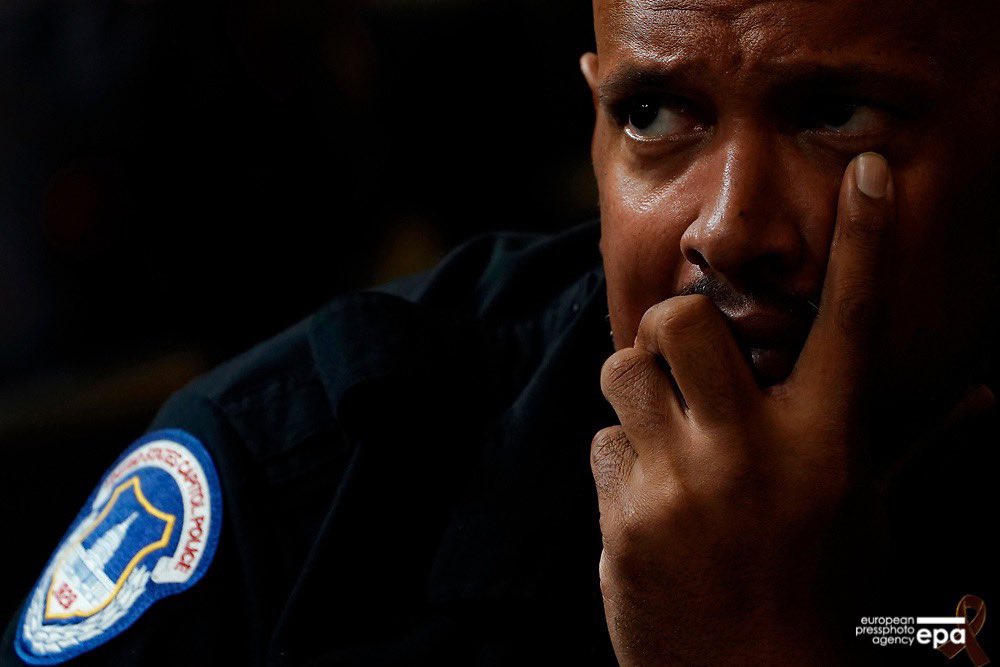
{"x": 838, "y": 347}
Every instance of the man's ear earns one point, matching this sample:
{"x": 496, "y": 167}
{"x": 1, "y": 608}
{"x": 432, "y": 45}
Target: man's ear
{"x": 588, "y": 65}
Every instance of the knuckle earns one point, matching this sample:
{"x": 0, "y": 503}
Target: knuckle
{"x": 680, "y": 316}
{"x": 611, "y": 456}
{"x": 629, "y": 381}
{"x": 607, "y": 443}
{"x": 625, "y": 373}
{"x": 628, "y": 536}
{"x": 649, "y": 316}
{"x": 645, "y": 519}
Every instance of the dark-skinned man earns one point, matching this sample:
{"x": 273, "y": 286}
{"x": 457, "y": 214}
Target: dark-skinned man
{"x": 722, "y": 134}
{"x": 794, "y": 417}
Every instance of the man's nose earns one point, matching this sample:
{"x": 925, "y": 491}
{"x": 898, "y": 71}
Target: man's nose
{"x": 746, "y": 228}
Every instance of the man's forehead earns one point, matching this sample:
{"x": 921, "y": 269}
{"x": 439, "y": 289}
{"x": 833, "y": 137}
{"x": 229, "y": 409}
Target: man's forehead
{"x": 731, "y": 10}
{"x": 831, "y": 21}
{"x": 724, "y": 9}
{"x": 751, "y": 34}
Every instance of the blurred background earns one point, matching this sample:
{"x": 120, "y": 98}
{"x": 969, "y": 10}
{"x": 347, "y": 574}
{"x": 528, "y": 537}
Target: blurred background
{"x": 179, "y": 180}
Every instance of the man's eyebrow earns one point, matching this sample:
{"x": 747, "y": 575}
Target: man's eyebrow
{"x": 628, "y": 79}
{"x": 913, "y": 80}
{"x": 916, "y": 82}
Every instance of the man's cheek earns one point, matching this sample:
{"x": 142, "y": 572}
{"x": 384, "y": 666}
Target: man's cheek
{"x": 639, "y": 275}
{"x": 643, "y": 190}
{"x": 643, "y": 218}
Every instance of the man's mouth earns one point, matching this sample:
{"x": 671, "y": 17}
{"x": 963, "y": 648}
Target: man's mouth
{"x": 770, "y": 325}
{"x": 771, "y": 340}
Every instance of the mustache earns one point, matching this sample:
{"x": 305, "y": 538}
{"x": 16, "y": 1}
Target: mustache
{"x": 729, "y": 299}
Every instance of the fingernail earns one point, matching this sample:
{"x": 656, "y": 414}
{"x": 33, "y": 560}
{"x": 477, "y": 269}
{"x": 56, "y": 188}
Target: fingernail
{"x": 872, "y": 174}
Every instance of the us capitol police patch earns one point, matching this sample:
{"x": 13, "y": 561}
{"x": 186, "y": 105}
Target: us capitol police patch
{"x": 149, "y": 530}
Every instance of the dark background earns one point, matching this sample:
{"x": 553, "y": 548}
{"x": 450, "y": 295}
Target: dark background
{"x": 180, "y": 179}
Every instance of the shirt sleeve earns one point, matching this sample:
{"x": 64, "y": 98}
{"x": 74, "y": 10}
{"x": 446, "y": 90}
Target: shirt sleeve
{"x": 133, "y": 582}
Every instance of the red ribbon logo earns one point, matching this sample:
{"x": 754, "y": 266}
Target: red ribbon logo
{"x": 972, "y": 627}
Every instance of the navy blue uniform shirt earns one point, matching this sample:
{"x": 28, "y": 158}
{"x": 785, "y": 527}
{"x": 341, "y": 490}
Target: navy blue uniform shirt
{"x": 404, "y": 479}
{"x": 404, "y": 475}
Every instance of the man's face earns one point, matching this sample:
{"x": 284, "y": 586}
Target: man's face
{"x": 722, "y": 135}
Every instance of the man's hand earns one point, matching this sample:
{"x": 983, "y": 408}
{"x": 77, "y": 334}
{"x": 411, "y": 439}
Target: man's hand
{"x": 718, "y": 498}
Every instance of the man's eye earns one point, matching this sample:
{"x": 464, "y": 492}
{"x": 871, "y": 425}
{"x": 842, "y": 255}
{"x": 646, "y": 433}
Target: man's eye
{"x": 845, "y": 117}
{"x": 650, "y": 120}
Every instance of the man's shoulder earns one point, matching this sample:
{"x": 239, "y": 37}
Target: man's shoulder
{"x": 478, "y": 301}
{"x": 373, "y": 413}
{"x": 506, "y": 274}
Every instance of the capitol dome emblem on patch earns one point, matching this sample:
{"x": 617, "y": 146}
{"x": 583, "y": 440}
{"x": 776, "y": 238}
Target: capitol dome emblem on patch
{"x": 149, "y": 530}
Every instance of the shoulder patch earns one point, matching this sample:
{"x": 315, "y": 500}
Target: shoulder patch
{"x": 149, "y": 530}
